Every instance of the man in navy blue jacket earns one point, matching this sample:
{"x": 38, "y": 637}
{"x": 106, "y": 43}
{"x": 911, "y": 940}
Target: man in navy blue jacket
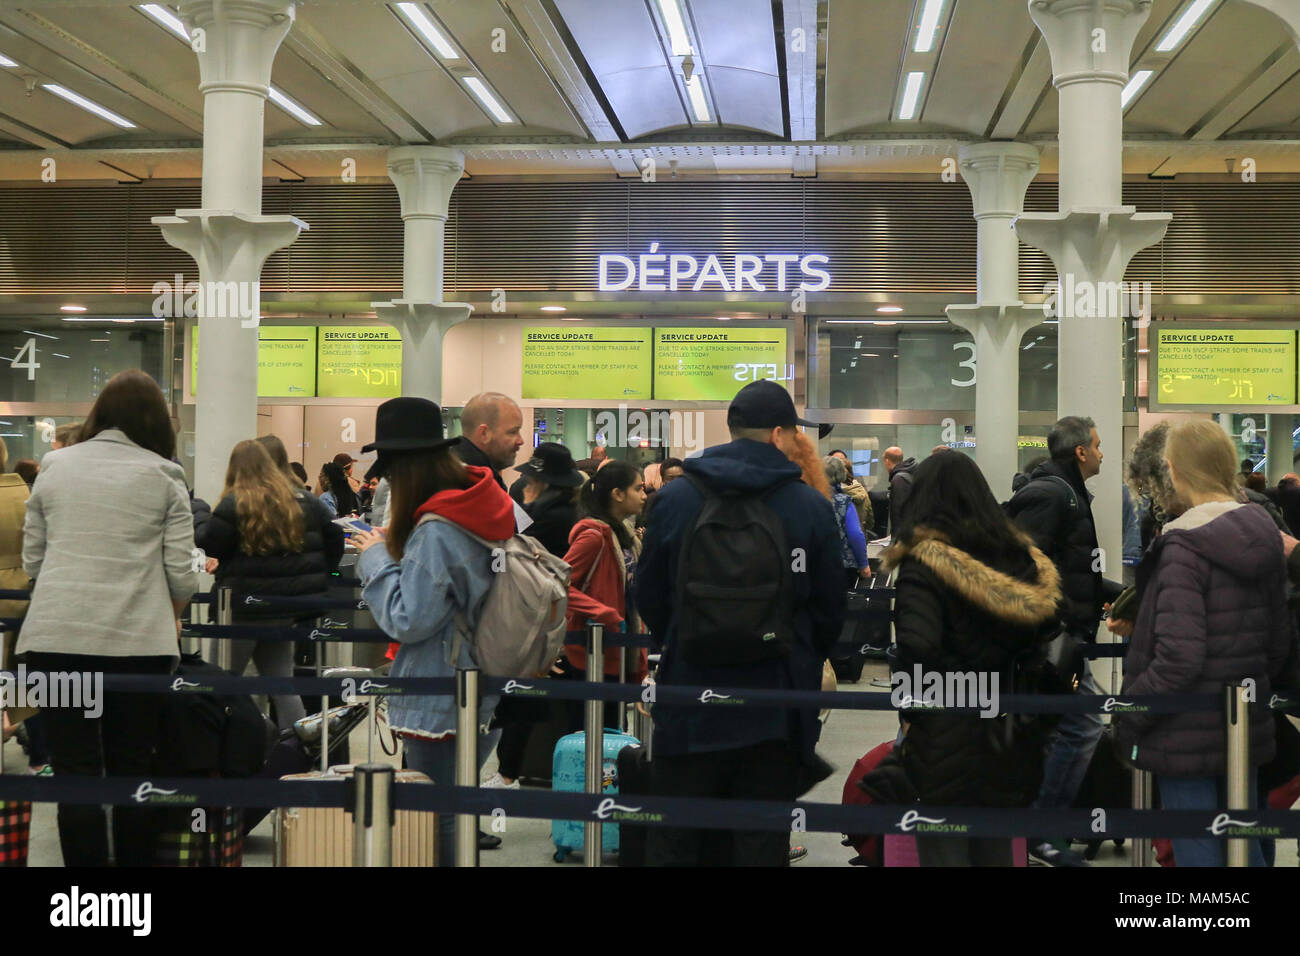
{"x": 721, "y": 749}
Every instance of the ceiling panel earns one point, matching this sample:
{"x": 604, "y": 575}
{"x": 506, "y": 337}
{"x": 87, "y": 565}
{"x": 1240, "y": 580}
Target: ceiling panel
{"x": 980, "y": 56}
{"x": 620, "y": 43}
{"x": 738, "y": 44}
{"x": 863, "y": 51}
{"x": 1281, "y": 111}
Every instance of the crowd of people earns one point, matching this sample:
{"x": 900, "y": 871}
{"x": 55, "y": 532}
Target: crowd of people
{"x": 736, "y": 561}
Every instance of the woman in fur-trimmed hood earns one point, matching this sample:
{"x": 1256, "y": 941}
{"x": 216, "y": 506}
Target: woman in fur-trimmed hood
{"x": 973, "y": 594}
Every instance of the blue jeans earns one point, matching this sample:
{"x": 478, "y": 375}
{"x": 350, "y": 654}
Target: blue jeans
{"x": 1203, "y": 793}
{"x": 1069, "y": 753}
{"x": 436, "y": 759}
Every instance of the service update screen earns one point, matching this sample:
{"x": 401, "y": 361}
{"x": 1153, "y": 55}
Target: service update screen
{"x": 359, "y": 361}
{"x": 587, "y": 363}
{"x": 1226, "y": 366}
{"x": 713, "y": 364}
{"x": 286, "y": 361}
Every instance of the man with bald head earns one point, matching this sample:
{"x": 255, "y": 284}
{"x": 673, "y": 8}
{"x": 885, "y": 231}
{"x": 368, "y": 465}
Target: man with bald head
{"x": 900, "y": 483}
{"x": 491, "y": 426}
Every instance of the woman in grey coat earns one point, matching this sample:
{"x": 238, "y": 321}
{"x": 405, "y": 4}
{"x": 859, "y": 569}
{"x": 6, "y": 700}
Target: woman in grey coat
{"x": 109, "y": 542}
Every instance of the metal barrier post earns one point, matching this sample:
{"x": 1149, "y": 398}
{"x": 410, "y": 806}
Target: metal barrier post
{"x": 324, "y": 710}
{"x": 1139, "y": 851}
{"x": 1238, "y": 765}
{"x": 223, "y": 650}
{"x": 373, "y": 815}
{"x": 594, "y": 778}
{"x": 622, "y": 679}
{"x": 466, "y": 848}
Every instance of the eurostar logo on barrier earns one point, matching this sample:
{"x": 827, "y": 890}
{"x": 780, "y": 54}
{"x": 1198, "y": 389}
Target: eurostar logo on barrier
{"x": 1113, "y": 705}
{"x": 362, "y": 605}
{"x": 609, "y": 809}
{"x": 369, "y": 687}
{"x": 253, "y": 600}
{"x": 913, "y": 822}
{"x": 318, "y": 634}
{"x": 180, "y": 684}
{"x": 916, "y": 703}
{"x": 516, "y": 689}
{"x": 709, "y": 695}
{"x": 1224, "y": 825}
{"x": 331, "y": 623}
{"x": 148, "y": 793}
{"x": 1278, "y": 702}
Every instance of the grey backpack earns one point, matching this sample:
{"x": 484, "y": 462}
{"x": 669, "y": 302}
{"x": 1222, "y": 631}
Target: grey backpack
{"x": 520, "y": 627}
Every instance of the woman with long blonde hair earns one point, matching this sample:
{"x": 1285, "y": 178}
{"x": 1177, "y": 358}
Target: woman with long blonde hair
{"x": 271, "y": 539}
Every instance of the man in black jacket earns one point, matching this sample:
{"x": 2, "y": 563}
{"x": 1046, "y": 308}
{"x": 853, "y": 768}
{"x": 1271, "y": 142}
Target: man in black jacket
{"x": 756, "y": 753}
{"x": 491, "y": 426}
{"x": 1055, "y": 509}
{"x": 900, "y": 483}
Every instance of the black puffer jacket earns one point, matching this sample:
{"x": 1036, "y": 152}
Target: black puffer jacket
{"x": 1213, "y": 610}
{"x": 299, "y": 574}
{"x": 1060, "y": 522}
{"x": 554, "y": 515}
{"x": 954, "y": 614}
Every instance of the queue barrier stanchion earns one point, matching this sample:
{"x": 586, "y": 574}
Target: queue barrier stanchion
{"x": 324, "y": 707}
{"x": 592, "y": 831}
{"x": 1237, "y": 706}
{"x": 373, "y": 814}
{"x": 622, "y": 679}
{"x": 223, "y": 651}
{"x": 467, "y": 699}
{"x": 1139, "y": 851}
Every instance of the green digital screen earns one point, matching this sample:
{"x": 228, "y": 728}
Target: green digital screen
{"x": 1224, "y": 367}
{"x": 359, "y": 362}
{"x": 587, "y": 363}
{"x": 713, "y": 364}
{"x": 286, "y": 361}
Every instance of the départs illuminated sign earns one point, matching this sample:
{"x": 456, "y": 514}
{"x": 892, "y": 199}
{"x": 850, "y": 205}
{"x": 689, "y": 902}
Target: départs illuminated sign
{"x": 660, "y": 272}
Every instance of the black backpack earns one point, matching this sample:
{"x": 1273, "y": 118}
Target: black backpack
{"x": 734, "y": 581}
{"x": 209, "y": 733}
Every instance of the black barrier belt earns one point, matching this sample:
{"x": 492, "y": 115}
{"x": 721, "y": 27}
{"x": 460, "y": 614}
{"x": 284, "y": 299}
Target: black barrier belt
{"x": 661, "y": 694}
{"x": 270, "y": 632}
{"x": 694, "y": 813}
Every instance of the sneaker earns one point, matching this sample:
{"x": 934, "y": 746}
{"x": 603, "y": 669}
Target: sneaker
{"x": 797, "y": 853}
{"x": 1056, "y": 854}
{"x": 45, "y": 771}
{"x": 486, "y": 841}
{"x": 497, "y": 782}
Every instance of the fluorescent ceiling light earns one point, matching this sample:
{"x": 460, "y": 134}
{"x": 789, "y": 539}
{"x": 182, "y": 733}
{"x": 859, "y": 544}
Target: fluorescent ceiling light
{"x": 168, "y": 19}
{"x": 41, "y": 334}
{"x": 60, "y": 355}
{"x": 695, "y": 90}
{"x": 889, "y": 308}
{"x": 571, "y": 318}
{"x": 911, "y": 93}
{"x": 6, "y": 62}
{"x": 1135, "y": 83}
{"x": 1179, "y": 30}
{"x": 490, "y": 102}
{"x": 292, "y": 108}
{"x": 90, "y": 106}
{"x": 72, "y": 308}
{"x": 416, "y": 16}
{"x": 672, "y": 15}
{"x": 928, "y": 26}
{"x": 96, "y": 318}
{"x": 724, "y": 318}
{"x": 553, "y": 308}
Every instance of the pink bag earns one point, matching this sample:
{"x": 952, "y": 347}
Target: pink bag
{"x": 900, "y": 850}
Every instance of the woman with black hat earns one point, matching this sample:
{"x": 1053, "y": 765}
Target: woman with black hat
{"x": 429, "y": 572}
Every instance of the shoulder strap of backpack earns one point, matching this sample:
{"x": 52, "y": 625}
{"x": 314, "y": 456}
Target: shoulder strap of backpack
{"x": 490, "y": 545}
{"x": 1074, "y": 497}
{"x": 461, "y": 628}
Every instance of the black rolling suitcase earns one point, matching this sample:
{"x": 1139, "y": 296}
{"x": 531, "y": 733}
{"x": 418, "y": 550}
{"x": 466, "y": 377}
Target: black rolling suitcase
{"x": 633, "y": 780}
{"x": 865, "y": 634}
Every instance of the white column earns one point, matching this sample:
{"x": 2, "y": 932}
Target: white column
{"x": 425, "y": 177}
{"x": 1093, "y": 236}
{"x": 228, "y": 236}
{"x": 998, "y": 175}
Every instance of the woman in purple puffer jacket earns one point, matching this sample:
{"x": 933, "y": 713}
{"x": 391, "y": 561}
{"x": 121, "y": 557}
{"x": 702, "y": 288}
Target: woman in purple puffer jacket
{"x": 1213, "y": 611}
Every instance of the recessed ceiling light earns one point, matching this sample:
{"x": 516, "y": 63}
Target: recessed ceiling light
{"x": 911, "y": 94}
{"x": 676, "y": 24}
{"x": 928, "y": 26}
{"x": 418, "y": 18}
{"x": 883, "y": 322}
{"x": 1144, "y": 351}
{"x": 889, "y": 308}
{"x": 571, "y": 318}
{"x": 1134, "y": 84}
{"x": 553, "y": 308}
{"x": 1183, "y": 26}
{"x": 490, "y": 102}
{"x": 292, "y": 108}
{"x": 167, "y": 19}
{"x": 41, "y": 334}
{"x": 6, "y": 62}
{"x": 724, "y": 318}
{"x": 700, "y": 105}
{"x": 72, "y": 308}
{"x": 90, "y": 106}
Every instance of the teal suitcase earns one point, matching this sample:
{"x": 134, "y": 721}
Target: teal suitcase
{"x": 569, "y": 773}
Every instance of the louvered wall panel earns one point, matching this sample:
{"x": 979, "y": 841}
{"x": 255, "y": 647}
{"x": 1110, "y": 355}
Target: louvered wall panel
{"x": 890, "y": 238}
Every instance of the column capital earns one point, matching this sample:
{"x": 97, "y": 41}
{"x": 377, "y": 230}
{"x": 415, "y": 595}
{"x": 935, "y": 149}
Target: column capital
{"x": 404, "y": 313}
{"x": 1089, "y": 40}
{"x": 1101, "y": 240}
{"x": 238, "y": 41}
{"x": 424, "y": 177}
{"x": 1015, "y": 318}
{"x": 998, "y": 174}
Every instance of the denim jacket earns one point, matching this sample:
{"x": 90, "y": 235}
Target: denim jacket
{"x": 415, "y": 603}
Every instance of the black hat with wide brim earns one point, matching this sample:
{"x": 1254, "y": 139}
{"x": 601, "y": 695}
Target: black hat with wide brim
{"x": 405, "y": 424}
{"x": 552, "y": 463}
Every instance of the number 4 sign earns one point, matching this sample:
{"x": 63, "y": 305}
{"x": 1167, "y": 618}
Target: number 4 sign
{"x": 28, "y": 350}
